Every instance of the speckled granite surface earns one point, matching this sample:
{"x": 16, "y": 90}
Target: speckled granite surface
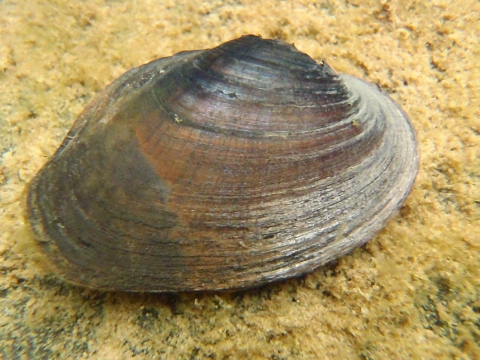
{"x": 412, "y": 292}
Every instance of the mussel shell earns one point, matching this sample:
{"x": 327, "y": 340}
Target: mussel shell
{"x": 222, "y": 168}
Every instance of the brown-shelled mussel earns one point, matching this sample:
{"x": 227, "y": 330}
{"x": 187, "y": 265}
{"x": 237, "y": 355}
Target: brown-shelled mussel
{"x": 219, "y": 169}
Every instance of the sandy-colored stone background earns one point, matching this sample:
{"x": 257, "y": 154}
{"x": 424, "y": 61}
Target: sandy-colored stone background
{"x": 412, "y": 292}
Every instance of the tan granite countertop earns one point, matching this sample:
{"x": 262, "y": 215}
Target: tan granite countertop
{"x": 412, "y": 292}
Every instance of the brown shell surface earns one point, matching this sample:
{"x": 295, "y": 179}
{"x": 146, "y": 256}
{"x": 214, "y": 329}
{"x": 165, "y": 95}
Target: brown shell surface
{"x": 220, "y": 169}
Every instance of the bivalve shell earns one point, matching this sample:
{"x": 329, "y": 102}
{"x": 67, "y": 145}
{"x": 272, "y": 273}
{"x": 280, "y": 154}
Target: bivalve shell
{"x": 221, "y": 169}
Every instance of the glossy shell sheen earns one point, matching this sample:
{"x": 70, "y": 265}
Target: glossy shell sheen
{"x": 222, "y": 168}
